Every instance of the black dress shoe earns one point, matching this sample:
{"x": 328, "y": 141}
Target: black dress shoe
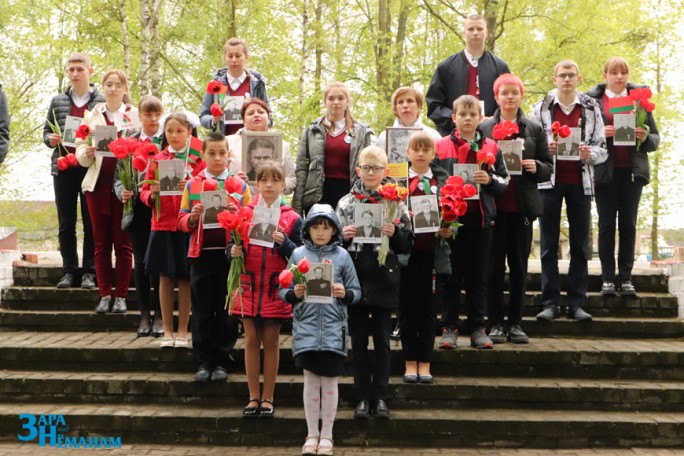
{"x": 67, "y": 281}
{"x": 203, "y": 374}
{"x": 577, "y": 313}
{"x": 362, "y": 410}
{"x": 381, "y": 410}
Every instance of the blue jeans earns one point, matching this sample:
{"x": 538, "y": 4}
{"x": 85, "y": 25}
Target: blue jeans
{"x": 578, "y": 209}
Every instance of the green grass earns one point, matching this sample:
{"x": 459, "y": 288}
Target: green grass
{"x": 36, "y": 224}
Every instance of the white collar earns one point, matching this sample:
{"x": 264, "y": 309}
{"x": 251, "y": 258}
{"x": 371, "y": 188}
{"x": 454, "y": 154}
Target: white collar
{"x": 471, "y": 58}
{"x": 80, "y": 101}
{"x": 222, "y": 176}
{"x": 236, "y": 82}
{"x": 612, "y": 94}
{"x": 566, "y": 109}
{"x": 413, "y": 174}
{"x": 144, "y": 136}
{"x": 338, "y": 127}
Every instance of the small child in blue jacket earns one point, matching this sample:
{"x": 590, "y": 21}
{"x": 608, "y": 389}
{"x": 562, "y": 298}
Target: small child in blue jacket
{"x": 319, "y": 330}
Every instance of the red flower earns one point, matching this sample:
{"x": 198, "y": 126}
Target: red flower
{"x": 139, "y": 163}
{"x": 216, "y": 110}
{"x": 285, "y": 278}
{"x": 72, "y": 160}
{"x": 233, "y": 184}
{"x": 505, "y": 129}
{"x": 469, "y": 190}
{"x": 210, "y": 184}
{"x": 228, "y": 220}
{"x": 304, "y": 265}
{"x": 636, "y": 94}
{"x": 119, "y": 148}
{"x": 62, "y": 163}
{"x": 393, "y": 192}
{"x": 647, "y": 105}
{"x": 456, "y": 181}
{"x": 646, "y": 93}
{"x": 215, "y": 88}
{"x": 485, "y": 157}
{"x": 555, "y": 127}
{"x": 83, "y": 132}
{"x": 564, "y": 131}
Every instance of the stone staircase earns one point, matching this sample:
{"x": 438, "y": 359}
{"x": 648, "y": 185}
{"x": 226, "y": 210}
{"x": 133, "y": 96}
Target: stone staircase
{"x": 617, "y": 381}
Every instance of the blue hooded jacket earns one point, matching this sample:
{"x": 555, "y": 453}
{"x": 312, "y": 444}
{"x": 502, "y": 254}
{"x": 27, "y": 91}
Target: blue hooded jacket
{"x": 317, "y": 326}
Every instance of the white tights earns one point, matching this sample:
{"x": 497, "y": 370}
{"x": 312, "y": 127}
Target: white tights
{"x": 320, "y": 402}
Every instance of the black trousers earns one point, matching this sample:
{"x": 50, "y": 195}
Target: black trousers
{"x": 417, "y": 309}
{"x": 511, "y": 240}
{"x": 67, "y": 185}
{"x": 371, "y": 370}
{"x": 620, "y": 200}
{"x": 469, "y": 269}
{"x": 146, "y": 287}
{"x": 213, "y": 332}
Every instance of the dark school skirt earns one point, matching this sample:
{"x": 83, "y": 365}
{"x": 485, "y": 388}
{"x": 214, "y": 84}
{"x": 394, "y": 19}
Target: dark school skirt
{"x": 323, "y": 363}
{"x": 167, "y": 254}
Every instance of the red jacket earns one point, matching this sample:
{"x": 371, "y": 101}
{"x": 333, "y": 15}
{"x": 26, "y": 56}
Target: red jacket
{"x": 263, "y": 265}
{"x": 170, "y": 205}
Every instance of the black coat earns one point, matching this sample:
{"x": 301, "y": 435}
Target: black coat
{"x": 450, "y": 81}
{"x": 640, "y": 168}
{"x": 535, "y": 147}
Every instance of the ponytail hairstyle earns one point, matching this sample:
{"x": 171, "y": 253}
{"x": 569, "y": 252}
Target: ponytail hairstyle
{"x": 124, "y": 80}
{"x": 329, "y": 126}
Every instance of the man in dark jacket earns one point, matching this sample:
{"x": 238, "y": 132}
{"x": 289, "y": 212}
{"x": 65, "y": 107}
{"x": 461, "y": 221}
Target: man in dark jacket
{"x": 471, "y": 71}
{"x": 4, "y": 126}
{"x": 75, "y": 101}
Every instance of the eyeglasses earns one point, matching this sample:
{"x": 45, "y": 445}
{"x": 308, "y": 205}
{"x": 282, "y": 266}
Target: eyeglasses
{"x": 566, "y": 76}
{"x": 374, "y": 169}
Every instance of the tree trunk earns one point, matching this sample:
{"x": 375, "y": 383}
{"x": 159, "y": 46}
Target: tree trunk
{"x": 490, "y": 11}
{"x": 305, "y": 50}
{"x": 318, "y": 45}
{"x": 144, "y": 47}
{"x": 125, "y": 42}
{"x": 155, "y": 48}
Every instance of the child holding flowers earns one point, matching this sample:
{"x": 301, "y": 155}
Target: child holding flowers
{"x": 167, "y": 249}
{"x": 261, "y": 310}
{"x": 104, "y": 208}
{"x": 470, "y": 247}
{"x": 417, "y": 310}
{"x": 319, "y": 330}
{"x": 213, "y": 332}
{"x": 138, "y": 222}
{"x": 379, "y": 284}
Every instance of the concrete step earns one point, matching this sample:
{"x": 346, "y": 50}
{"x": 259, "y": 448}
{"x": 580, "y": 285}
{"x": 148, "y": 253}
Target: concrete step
{"x": 444, "y": 427}
{"x": 645, "y": 279}
{"x": 647, "y": 304}
{"x": 630, "y": 358}
{"x": 446, "y": 392}
{"x": 608, "y": 327}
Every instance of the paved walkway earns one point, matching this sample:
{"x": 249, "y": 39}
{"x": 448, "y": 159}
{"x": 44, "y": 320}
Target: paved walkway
{"x": 10, "y": 449}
